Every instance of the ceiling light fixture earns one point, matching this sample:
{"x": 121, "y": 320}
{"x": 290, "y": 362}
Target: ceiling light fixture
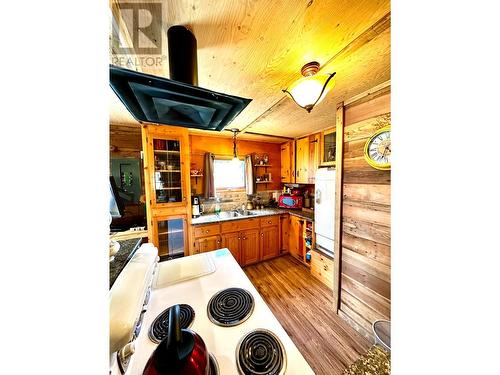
{"x": 311, "y": 88}
{"x": 235, "y": 154}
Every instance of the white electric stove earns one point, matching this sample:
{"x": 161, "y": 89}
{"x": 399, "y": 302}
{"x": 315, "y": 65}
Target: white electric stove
{"x": 193, "y": 281}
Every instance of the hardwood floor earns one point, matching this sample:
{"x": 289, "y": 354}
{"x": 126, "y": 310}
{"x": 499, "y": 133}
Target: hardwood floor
{"x": 303, "y": 305}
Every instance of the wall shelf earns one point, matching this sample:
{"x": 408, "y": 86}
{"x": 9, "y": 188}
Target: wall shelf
{"x": 262, "y": 165}
{"x": 263, "y": 182}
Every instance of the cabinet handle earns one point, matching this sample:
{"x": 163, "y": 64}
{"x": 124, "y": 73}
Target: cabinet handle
{"x": 239, "y": 238}
{"x": 297, "y": 173}
{"x": 262, "y": 234}
{"x": 207, "y": 231}
{"x": 218, "y": 241}
{"x": 269, "y": 222}
{"x": 325, "y": 267}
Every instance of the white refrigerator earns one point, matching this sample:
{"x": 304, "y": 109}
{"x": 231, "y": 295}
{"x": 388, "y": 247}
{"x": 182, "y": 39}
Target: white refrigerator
{"x": 324, "y": 209}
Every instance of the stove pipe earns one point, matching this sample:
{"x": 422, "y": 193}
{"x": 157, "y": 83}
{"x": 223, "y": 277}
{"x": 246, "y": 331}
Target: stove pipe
{"x": 182, "y": 57}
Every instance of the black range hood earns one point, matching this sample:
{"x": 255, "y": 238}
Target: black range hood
{"x": 176, "y": 101}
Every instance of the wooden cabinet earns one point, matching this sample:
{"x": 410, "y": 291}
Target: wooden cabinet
{"x": 295, "y": 244}
{"x": 169, "y": 235}
{"x": 204, "y": 244}
{"x": 167, "y": 186}
{"x": 314, "y": 156}
{"x": 166, "y": 165}
{"x": 269, "y": 242}
{"x": 328, "y": 147}
{"x": 322, "y": 268}
{"x": 269, "y": 221}
{"x": 302, "y": 161}
{"x": 288, "y": 162}
{"x": 239, "y": 225}
{"x": 232, "y": 242}
{"x": 206, "y": 230}
{"x": 249, "y": 240}
{"x": 250, "y": 247}
{"x": 284, "y": 233}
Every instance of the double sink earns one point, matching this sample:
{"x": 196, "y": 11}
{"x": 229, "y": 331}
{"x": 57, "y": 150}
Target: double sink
{"x": 234, "y": 213}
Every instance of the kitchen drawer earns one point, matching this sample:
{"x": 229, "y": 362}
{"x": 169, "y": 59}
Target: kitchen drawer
{"x": 269, "y": 220}
{"x": 206, "y": 230}
{"x": 322, "y": 268}
{"x": 238, "y": 225}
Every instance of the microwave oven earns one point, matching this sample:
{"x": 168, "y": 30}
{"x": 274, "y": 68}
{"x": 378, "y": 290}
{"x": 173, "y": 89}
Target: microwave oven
{"x": 290, "y": 201}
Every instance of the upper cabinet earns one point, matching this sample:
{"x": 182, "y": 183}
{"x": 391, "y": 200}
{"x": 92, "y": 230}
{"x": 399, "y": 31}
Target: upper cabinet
{"x": 166, "y": 164}
{"x": 288, "y": 162}
{"x": 327, "y": 145}
{"x": 314, "y": 156}
{"x": 302, "y": 163}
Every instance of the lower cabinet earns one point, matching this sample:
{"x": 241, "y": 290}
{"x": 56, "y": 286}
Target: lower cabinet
{"x": 269, "y": 242}
{"x": 204, "y": 244}
{"x": 284, "y": 233}
{"x": 295, "y": 244}
{"x": 249, "y": 241}
{"x": 232, "y": 242}
{"x": 250, "y": 252}
{"x": 322, "y": 268}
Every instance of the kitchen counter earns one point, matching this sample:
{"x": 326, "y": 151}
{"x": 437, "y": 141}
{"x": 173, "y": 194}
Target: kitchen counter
{"x": 212, "y": 218}
{"x": 122, "y": 257}
{"x": 196, "y": 292}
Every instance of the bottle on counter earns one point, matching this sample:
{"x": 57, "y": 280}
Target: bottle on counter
{"x": 217, "y": 206}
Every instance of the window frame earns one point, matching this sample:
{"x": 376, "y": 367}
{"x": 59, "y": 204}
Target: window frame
{"x": 226, "y": 189}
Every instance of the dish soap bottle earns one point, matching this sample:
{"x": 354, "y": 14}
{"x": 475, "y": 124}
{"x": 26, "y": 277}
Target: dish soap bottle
{"x": 217, "y": 206}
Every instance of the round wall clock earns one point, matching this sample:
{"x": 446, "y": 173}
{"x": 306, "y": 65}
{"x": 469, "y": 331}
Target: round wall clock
{"x": 378, "y": 149}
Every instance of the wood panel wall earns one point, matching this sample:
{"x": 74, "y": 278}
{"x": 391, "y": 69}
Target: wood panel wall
{"x": 125, "y": 141}
{"x": 365, "y": 280}
{"x": 199, "y": 145}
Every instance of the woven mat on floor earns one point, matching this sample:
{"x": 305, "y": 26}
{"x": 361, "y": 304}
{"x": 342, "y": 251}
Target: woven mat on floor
{"x": 375, "y": 361}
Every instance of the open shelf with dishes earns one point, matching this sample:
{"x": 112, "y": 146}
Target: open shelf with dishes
{"x": 261, "y": 164}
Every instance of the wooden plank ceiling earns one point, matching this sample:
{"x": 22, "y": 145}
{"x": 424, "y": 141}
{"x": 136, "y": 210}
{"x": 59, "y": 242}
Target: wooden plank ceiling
{"x": 255, "y": 49}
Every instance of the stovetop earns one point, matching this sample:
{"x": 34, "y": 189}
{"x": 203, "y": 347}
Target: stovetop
{"x": 222, "y": 341}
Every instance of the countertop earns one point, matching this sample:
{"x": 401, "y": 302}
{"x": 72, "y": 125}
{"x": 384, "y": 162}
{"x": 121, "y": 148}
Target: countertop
{"x": 212, "y": 218}
{"x": 196, "y": 292}
{"x": 374, "y": 362}
{"x": 127, "y": 250}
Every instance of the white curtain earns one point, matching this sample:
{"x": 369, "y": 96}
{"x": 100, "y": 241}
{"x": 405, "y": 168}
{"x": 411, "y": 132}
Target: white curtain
{"x": 249, "y": 180}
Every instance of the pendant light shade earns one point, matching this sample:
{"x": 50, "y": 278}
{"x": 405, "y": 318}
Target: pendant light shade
{"x": 312, "y": 88}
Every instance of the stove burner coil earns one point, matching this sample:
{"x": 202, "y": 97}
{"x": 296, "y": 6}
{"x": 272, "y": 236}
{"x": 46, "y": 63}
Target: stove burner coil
{"x": 230, "y": 307}
{"x": 214, "y": 365}
{"x": 159, "y": 328}
{"x": 260, "y": 352}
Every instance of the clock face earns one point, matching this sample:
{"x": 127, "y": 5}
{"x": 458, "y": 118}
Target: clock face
{"x": 378, "y": 149}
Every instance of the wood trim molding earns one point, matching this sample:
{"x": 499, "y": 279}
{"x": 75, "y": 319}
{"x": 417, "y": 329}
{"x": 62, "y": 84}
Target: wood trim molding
{"x": 337, "y": 251}
{"x": 370, "y": 92}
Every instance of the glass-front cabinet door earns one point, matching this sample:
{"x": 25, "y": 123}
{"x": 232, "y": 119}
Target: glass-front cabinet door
{"x": 167, "y": 171}
{"x": 171, "y": 235}
{"x": 328, "y": 147}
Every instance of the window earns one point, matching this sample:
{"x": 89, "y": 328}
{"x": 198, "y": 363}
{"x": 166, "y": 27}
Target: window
{"x": 229, "y": 174}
